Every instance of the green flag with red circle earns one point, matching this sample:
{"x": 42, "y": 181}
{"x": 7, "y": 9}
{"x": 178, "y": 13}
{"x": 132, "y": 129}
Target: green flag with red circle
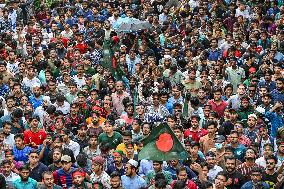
{"x": 162, "y": 145}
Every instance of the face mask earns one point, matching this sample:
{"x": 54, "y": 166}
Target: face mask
{"x": 218, "y": 146}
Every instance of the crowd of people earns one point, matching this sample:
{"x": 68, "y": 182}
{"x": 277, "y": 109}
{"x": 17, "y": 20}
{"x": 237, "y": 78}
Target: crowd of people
{"x": 78, "y": 96}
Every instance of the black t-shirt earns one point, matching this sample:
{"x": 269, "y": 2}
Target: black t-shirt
{"x": 271, "y": 180}
{"x": 237, "y": 180}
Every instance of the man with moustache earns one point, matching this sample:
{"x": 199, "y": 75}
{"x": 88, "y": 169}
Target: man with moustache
{"x": 246, "y": 167}
{"x": 25, "y": 181}
{"x": 78, "y": 181}
{"x": 131, "y": 180}
{"x": 118, "y": 164}
{"x": 48, "y": 181}
{"x": 56, "y": 157}
{"x": 36, "y": 99}
{"x": 235, "y": 178}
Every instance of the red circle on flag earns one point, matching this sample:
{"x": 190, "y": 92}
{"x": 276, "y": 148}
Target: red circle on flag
{"x": 165, "y": 142}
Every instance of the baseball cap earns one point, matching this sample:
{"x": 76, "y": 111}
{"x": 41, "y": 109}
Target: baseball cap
{"x": 98, "y": 160}
{"x": 66, "y": 158}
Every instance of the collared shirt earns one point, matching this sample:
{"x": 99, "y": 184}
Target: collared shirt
{"x": 74, "y": 146}
{"x": 195, "y": 135}
{"x": 30, "y": 184}
{"x": 117, "y": 101}
{"x": 36, "y": 173}
{"x": 11, "y": 178}
{"x": 219, "y": 108}
{"x": 135, "y": 182}
{"x": 212, "y": 173}
{"x": 103, "y": 178}
{"x": 22, "y": 154}
{"x": 145, "y": 167}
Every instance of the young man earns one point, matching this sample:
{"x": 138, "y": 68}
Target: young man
{"x": 25, "y": 181}
{"x": 158, "y": 168}
{"x": 99, "y": 175}
{"x": 113, "y": 138}
{"x": 63, "y": 176}
{"x": 235, "y": 178}
{"x": 20, "y": 150}
{"x": 208, "y": 141}
{"x": 131, "y": 180}
{"x": 48, "y": 181}
{"x": 36, "y": 167}
{"x": 195, "y": 132}
{"x": 70, "y": 144}
{"x": 7, "y": 172}
{"x": 34, "y": 136}
{"x": 78, "y": 181}
{"x": 255, "y": 180}
{"x": 115, "y": 180}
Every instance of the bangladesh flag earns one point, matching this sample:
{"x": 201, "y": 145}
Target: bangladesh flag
{"x": 162, "y": 145}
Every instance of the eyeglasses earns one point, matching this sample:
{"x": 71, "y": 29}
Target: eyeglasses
{"x": 270, "y": 163}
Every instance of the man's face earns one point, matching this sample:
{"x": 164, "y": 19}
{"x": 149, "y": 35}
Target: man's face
{"x": 211, "y": 161}
{"x": 108, "y": 128}
{"x": 128, "y": 169}
{"x": 241, "y": 90}
{"x": 36, "y": 91}
{"x": 211, "y": 129}
{"x": 117, "y": 158}
{"x": 66, "y": 165}
{"x": 262, "y": 91}
{"x": 220, "y": 181}
{"x": 245, "y": 103}
{"x": 146, "y": 129}
{"x": 182, "y": 176}
{"x": 34, "y": 123}
{"x": 178, "y": 133}
{"x": 130, "y": 150}
{"x": 17, "y": 89}
{"x": 19, "y": 142}
{"x": 10, "y": 103}
{"x": 157, "y": 167}
{"x": 33, "y": 158}
{"x": 119, "y": 87}
{"x": 256, "y": 177}
{"x": 266, "y": 100}
{"x": 24, "y": 174}
{"x": 234, "y": 138}
{"x": 270, "y": 164}
{"x": 56, "y": 156}
{"x": 48, "y": 180}
{"x": 251, "y": 122}
{"x": 6, "y": 169}
{"x": 7, "y": 129}
{"x": 115, "y": 182}
{"x": 279, "y": 85}
{"x": 230, "y": 165}
{"x": 78, "y": 179}
{"x": 194, "y": 123}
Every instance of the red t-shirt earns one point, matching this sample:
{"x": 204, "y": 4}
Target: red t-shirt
{"x": 195, "y": 135}
{"x": 37, "y": 137}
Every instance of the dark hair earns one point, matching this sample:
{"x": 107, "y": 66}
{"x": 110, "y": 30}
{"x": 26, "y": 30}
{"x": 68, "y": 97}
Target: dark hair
{"x": 127, "y": 133}
{"x": 24, "y": 167}
{"x": 115, "y": 174}
{"x": 182, "y": 168}
{"x": 212, "y": 123}
{"x": 256, "y": 169}
{"x": 19, "y": 135}
{"x": 46, "y": 173}
{"x": 230, "y": 158}
{"x": 5, "y": 161}
{"x": 223, "y": 173}
{"x": 272, "y": 157}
